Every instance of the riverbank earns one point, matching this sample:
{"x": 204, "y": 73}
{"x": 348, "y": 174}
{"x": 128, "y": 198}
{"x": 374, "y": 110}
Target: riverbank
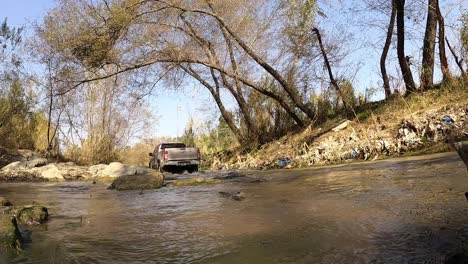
{"x": 403, "y": 126}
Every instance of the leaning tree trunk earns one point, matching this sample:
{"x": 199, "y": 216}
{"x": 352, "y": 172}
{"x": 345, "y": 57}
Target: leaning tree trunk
{"x": 288, "y": 88}
{"x": 427, "y": 70}
{"x": 402, "y": 59}
{"x": 442, "y": 55}
{"x": 383, "y": 58}
{"x": 226, "y": 114}
{"x": 330, "y": 73}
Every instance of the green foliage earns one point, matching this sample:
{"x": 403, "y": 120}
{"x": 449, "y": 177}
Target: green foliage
{"x": 189, "y": 135}
{"x": 137, "y": 154}
{"x": 16, "y": 122}
{"x": 95, "y": 149}
{"x": 347, "y": 91}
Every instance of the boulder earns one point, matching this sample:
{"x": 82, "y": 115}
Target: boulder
{"x": 8, "y": 156}
{"x": 10, "y": 237}
{"x": 50, "y": 172}
{"x": 25, "y": 165}
{"x": 96, "y": 169}
{"x": 149, "y": 180}
{"x": 20, "y": 176}
{"x": 117, "y": 169}
{"x": 30, "y": 214}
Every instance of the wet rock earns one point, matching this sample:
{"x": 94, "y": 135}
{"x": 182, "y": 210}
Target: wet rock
{"x": 30, "y": 214}
{"x": 50, "y": 172}
{"x": 5, "y": 202}
{"x": 237, "y": 196}
{"x": 10, "y": 237}
{"x": 117, "y": 169}
{"x": 150, "y": 180}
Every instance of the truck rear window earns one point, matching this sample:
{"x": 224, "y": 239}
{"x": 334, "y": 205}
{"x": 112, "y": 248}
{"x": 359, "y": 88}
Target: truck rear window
{"x": 172, "y": 145}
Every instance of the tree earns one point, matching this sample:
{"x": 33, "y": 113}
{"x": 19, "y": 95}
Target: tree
{"x": 402, "y": 58}
{"x": 383, "y": 57}
{"x": 189, "y": 134}
{"x": 442, "y": 55}
{"x": 427, "y": 71}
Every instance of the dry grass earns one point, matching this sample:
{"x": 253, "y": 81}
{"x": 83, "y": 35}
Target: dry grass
{"x": 371, "y": 118}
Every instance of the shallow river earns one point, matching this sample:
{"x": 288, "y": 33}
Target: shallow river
{"x": 395, "y": 211}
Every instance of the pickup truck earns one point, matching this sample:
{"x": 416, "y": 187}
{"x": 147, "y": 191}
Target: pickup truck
{"x": 174, "y": 156}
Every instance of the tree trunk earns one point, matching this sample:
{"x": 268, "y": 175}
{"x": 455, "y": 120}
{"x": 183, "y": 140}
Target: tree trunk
{"x": 252, "y": 128}
{"x": 227, "y": 116}
{"x": 383, "y": 58}
{"x": 427, "y": 69}
{"x": 402, "y": 59}
{"x": 291, "y": 91}
{"x": 442, "y": 55}
{"x": 457, "y": 60}
{"x": 330, "y": 73}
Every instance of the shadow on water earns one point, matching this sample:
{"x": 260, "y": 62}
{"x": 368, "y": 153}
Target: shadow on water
{"x": 400, "y": 211}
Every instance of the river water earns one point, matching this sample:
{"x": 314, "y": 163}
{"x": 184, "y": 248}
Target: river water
{"x": 410, "y": 210}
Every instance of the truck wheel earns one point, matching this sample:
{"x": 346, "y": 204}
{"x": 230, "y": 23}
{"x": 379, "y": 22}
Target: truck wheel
{"x": 160, "y": 169}
{"x": 192, "y": 169}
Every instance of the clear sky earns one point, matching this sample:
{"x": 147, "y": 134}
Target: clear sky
{"x": 164, "y": 103}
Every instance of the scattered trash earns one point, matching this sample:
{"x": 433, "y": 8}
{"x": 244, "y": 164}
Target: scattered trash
{"x": 284, "y": 162}
{"x": 448, "y": 120}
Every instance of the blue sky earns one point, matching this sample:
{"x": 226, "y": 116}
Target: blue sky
{"x": 164, "y": 103}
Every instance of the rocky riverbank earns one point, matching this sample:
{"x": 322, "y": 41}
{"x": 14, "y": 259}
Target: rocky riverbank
{"x": 420, "y": 125}
{"x": 28, "y": 166}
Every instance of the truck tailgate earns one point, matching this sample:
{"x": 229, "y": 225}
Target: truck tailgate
{"x": 182, "y": 154}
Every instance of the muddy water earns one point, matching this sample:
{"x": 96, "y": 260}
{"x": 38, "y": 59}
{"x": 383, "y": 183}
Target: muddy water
{"x": 398, "y": 211}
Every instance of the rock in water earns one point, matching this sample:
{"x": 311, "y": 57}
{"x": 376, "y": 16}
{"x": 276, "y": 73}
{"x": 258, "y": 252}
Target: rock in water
{"x": 10, "y": 237}
{"x": 462, "y": 149}
{"x": 30, "y": 214}
{"x": 149, "y": 180}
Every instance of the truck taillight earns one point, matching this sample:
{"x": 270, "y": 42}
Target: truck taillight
{"x": 166, "y": 155}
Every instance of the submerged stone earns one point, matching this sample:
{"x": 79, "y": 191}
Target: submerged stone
{"x": 150, "y": 180}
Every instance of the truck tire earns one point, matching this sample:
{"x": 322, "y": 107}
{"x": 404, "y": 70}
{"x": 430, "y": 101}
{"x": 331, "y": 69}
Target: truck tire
{"x": 192, "y": 169}
{"x": 160, "y": 169}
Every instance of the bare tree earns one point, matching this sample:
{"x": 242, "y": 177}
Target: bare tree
{"x": 383, "y": 57}
{"x": 427, "y": 71}
{"x": 402, "y": 58}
